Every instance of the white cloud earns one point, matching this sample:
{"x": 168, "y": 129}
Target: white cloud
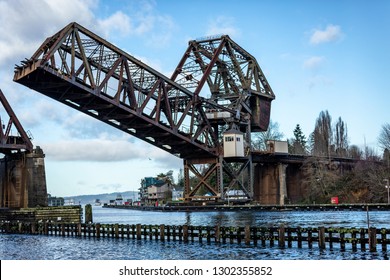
{"x": 104, "y": 150}
{"x": 330, "y": 34}
{"x": 313, "y": 63}
{"x": 118, "y": 23}
{"x": 223, "y": 25}
{"x": 24, "y": 23}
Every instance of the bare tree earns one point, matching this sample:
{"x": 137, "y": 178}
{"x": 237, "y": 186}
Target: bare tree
{"x": 384, "y": 137}
{"x": 321, "y": 137}
{"x": 355, "y": 152}
{"x": 341, "y": 138}
{"x": 259, "y": 139}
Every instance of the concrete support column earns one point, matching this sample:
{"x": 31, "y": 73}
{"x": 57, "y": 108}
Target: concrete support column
{"x": 282, "y": 183}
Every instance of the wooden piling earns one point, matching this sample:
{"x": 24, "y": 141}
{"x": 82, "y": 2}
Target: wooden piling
{"x": 310, "y": 238}
{"x": 321, "y": 237}
{"x": 299, "y": 237}
{"x": 162, "y": 232}
{"x": 254, "y": 235}
{"x": 217, "y": 234}
{"x": 267, "y": 236}
{"x": 372, "y": 239}
{"x": 185, "y": 233}
{"x": 247, "y": 235}
{"x": 138, "y": 231}
{"x": 88, "y": 213}
{"x": 281, "y": 237}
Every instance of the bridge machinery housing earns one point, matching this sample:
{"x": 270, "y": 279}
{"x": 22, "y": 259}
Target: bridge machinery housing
{"x": 209, "y": 127}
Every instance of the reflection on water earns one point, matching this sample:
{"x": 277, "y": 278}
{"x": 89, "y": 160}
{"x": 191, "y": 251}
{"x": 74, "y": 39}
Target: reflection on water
{"x": 377, "y": 219}
{"x": 30, "y": 247}
{"x": 22, "y": 247}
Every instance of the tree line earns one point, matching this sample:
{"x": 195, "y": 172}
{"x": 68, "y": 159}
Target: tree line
{"x": 363, "y": 181}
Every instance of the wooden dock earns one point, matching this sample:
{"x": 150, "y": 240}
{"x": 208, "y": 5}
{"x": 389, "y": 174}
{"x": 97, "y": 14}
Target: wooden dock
{"x": 371, "y": 239}
{"x": 64, "y": 214}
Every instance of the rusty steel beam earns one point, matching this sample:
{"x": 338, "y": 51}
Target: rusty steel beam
{"x": 83, "y": 71}
{"x": 234, "y": 78}
{"x": 8, "y": 142}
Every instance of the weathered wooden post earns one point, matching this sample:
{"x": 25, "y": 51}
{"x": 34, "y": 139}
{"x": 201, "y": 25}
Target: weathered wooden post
{"x": 185, "y": 233}
{"x": 162, "y": 232}
{"x": 362, "y": 239}
{"x": 255, "y": 236}
{"x": 310, "y": 237}
{"x": 45, "y": 228}
{"x": 88, "y": 213}
{"x": 98, "y": 230}
{"x": 299, "y": 237}
{"x": 116, "y": 230}
{"x": 354, "y": 240}
{"x": 223, "y": 235}
{"x": 217, "y": 233}
{"x": 372, "y": 239}
{"x": 247, "y": 235}
{"x": 321, "y": 237}
{"x": 200, "y": 235}
{"x": 138, "y": 231}
{"x": 168, "y": 232}
{"x": 62, "y": 229}
{"x": 281, "y": 237}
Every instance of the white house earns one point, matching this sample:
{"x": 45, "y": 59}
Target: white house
{"x": 233, "y": 143}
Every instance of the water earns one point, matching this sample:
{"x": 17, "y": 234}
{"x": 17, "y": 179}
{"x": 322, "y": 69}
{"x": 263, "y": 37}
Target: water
{"x": 28, "y": 247}
{"x": 357, "y": 219}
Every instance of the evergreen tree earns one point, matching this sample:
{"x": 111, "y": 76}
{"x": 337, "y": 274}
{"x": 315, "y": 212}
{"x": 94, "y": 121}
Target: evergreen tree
{"x": 298, "y": 143}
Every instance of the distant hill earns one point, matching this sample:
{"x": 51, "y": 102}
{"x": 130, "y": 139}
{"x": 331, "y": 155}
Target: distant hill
{"x": 104, "y": 197}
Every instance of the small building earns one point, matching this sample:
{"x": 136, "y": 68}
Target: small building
{"x": 159, "y": 193}
{"x": 277, "y": 147}
{"x": 233, "y": 143}
{"x": 145, "y": 183}
{"x": 119, "y": 200}
{"x": 177, "y": 193}
{"x": 55, "y": 201}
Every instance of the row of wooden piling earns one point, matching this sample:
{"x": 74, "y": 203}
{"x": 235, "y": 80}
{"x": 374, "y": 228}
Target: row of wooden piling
{"x": 321, "y": 237}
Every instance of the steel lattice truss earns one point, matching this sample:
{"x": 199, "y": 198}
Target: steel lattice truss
{"x": 177, "y": 114}
{"x": 234, "y": 78}
{"x": 80, "y": 69}
{"x": 12, "y": 142}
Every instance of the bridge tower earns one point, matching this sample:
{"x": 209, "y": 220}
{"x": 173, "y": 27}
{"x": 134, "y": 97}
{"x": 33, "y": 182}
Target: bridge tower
{"x": 236, "y": 83}
{"x": 178, "y": 114}
{"x": 22, "y": 169}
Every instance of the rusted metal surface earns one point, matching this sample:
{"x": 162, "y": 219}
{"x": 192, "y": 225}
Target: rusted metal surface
{"x": 82, "y": 70}
{"x": 8, "y": 142}
{"x": 234, "y": 78}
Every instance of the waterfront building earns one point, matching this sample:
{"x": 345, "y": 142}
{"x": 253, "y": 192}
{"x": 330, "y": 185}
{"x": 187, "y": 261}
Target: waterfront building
{"x": 159, "y": 193}
{"x": 55, "y": 201}
{"x": 145, "y": 183}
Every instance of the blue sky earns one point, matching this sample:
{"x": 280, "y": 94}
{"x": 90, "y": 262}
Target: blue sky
{"x": 316, "y": 55}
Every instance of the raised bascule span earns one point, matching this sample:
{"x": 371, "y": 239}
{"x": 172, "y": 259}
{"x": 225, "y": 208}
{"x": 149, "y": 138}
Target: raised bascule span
{"x": 180, "y": 114}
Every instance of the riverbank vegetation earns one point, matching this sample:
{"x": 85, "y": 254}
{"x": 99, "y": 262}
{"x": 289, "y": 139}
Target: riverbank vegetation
{"x": 363, "y": 181}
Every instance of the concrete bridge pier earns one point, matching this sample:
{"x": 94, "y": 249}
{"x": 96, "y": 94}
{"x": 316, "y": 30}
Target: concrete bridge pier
{"x": 270, "y": 183}
{"x": 23, "y": 180}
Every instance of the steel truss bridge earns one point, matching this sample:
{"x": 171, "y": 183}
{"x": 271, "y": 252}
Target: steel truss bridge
{"x": 180, "y": 114}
